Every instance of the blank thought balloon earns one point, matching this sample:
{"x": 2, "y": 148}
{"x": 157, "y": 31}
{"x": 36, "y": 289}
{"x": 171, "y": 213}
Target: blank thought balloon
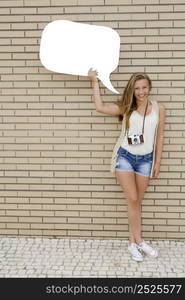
{"x": 73, "y": 48}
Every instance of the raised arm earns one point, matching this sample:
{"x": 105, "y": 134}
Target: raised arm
{"x": 109, "y": 109}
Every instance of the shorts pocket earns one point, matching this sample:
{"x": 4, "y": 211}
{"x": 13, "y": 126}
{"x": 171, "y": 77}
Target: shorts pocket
{"x": 117, "y": 164}
{"x": 121, "y": 152}
{"x": 117, "y": 161}
{"x": 148, "y": 157}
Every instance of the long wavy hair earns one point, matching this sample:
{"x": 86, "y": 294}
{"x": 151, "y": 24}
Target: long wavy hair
{"x": 128, "y": 102}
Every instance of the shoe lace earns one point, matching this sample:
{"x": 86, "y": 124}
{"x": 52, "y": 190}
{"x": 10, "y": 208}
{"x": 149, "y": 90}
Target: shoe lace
{"x": 135, "y": 250}
{"x": 147, "y": 247}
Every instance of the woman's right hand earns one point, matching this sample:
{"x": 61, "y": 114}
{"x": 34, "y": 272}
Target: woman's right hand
{"x": 92, "y": 75}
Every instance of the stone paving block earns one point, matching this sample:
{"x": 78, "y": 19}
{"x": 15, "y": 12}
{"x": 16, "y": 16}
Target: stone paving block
{"x": 40, "y": 257}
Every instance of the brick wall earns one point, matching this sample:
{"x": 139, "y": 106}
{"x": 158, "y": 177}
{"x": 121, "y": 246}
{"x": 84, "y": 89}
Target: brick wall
{"x": 56, "y": 149}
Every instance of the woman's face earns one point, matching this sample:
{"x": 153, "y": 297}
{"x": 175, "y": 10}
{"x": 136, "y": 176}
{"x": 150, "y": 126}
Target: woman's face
{"x": 141, "y": 89}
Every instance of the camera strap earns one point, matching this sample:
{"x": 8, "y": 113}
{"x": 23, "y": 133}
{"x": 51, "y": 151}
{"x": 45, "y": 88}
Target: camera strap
{"x": 144, "y": 118}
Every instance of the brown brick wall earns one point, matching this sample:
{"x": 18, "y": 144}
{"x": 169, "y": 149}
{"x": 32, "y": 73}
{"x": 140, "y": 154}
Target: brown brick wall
{"x": 55, "y": 149}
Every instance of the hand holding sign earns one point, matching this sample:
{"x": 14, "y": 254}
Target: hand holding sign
{"x": 73, "y": 48}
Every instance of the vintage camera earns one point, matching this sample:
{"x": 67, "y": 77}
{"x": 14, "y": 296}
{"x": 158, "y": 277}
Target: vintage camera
{"x": 135, "y": 139}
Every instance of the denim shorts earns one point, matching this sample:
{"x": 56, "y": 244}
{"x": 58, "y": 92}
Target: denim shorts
{"x": 139, "y": 164}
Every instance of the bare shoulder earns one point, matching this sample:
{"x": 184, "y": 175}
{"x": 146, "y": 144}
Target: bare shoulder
{"x": 162, "y": 114}
{"x": 161, "y": 108}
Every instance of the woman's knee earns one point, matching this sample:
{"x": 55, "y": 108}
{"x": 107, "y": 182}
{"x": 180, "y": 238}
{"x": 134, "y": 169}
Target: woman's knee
{"x": 133, "y": 200}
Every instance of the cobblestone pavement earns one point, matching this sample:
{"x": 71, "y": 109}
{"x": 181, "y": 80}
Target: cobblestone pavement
{"x": 44, "y": 257}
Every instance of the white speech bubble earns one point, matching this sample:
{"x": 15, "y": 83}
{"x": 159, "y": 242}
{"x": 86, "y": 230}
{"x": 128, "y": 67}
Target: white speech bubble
{"x": 73, "y": 48}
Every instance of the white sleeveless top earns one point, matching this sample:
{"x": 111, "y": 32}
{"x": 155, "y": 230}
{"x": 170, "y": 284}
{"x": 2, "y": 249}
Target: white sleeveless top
{"x": 136, "y": 124}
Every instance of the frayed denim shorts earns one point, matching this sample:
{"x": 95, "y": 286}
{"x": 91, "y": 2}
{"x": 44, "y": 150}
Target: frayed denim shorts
{"x": 139, "y": 164}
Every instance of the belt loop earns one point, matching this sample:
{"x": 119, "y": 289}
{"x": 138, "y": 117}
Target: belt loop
{"x": 125, "y": 151}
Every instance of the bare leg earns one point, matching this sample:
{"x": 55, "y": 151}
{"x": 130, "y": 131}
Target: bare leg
{"x": 141, "y": 184}
{"x": 128, "y": 183}
{"x": 134, "y": 187}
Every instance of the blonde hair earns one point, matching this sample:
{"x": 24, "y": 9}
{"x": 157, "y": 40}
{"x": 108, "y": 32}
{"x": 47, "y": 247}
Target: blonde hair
{"x": 128, "y": 102}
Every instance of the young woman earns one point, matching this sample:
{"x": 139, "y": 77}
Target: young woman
{"x": 137, "y": 153}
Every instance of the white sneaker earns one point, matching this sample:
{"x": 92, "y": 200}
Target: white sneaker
{"x": 136, "y": 254}
{"x": 147, "y": 249}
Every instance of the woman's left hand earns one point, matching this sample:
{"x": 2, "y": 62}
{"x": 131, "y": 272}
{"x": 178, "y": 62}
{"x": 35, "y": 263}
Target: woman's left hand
{"x": 156, "y": 170}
